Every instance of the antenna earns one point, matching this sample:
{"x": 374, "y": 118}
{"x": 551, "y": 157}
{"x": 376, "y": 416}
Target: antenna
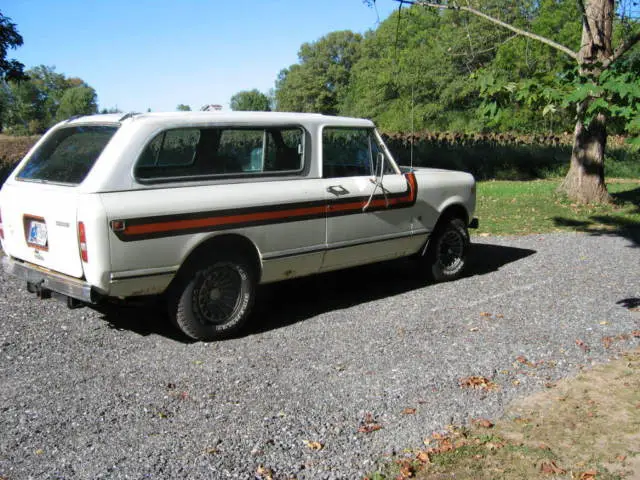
{"x": 412, "y": 127}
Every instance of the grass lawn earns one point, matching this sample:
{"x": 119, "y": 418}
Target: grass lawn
{"x": 519, "y": 208}
{"x": 583, "y": 428}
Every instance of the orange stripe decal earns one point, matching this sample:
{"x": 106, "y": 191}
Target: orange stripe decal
{"x": 154, "y": 227}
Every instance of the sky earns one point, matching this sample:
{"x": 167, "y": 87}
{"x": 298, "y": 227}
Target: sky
{"x": 156, "y": 54}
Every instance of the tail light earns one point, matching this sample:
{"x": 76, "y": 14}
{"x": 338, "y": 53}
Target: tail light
{"x": 82, "y": 239}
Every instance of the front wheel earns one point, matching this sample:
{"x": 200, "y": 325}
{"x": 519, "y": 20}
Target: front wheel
{"x": 214, "y": 301}
{"x": 446, "y": 254}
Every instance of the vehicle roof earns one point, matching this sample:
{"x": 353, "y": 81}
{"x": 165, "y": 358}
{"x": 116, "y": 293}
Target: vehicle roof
{"x": 263, "y": 118}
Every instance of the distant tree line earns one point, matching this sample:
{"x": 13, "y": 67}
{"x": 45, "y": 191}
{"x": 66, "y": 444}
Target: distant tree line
{"x": 42, "y": 97}
{"x": 427, "y": 69}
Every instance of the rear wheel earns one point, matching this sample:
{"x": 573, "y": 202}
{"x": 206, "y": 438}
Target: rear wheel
{"x": 214, "y": 301}
{"x": 446, "y": 254}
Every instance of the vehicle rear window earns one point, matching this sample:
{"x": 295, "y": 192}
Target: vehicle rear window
{"x": 68, "y": 155}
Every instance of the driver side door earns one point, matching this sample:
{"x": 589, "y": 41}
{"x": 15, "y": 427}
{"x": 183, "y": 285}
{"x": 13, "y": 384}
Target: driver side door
{"x": 367, "y": 216}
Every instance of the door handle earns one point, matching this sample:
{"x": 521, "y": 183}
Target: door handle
{"x": 337, "y": 190}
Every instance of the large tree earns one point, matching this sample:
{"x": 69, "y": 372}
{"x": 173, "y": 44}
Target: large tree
{"x": 77, "y": 101}
{"x": 10, "y": 69}
{"x": 596, "y": 55}
{"x": 318, "y": 82}
{"x": 250, "y": 100}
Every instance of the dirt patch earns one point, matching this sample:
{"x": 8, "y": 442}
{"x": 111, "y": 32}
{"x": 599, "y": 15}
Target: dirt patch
{"x": 583, "y": 428}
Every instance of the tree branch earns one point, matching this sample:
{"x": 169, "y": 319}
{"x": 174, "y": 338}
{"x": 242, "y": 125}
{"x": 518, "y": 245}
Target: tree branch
{"x": 491, "y": 19}
{"x": 622, "y": 49}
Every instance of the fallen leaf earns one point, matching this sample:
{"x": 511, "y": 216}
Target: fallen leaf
{"x": 491, "y": 446}
{"x": 551, "y": 468}
{"x": 407, "y": 470}
{"x": 636, "y": 333}
{"x": 588, "y": 475}
{"x": 621, "y": 458}
{"x": 607, "y": 341}
{"x": 368, "y": 424}
{"x": 408, "y": 411}
{"x": 264, "y": 473}
{"x": 515, "y": 383}
{"x": 583, "y": 345}
{"x": 423, "y": 457}
{"x": 369, "y": 428}
{"x": 604, "y": 322}
{"x": 482, "y": 422}
{"x": 485, "y": 314}
{"x": 313, "y": 445}
{"x": 39, "y": 451}
{"x": 549, "y": 385}
{"x": 474, "y": 329}
{"x": 499, "y": 315}
{"x": 478, "y": 382}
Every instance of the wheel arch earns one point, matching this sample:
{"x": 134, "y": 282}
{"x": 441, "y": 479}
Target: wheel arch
{"x": 453, "y": 210}
{"x": 227, "y": 242}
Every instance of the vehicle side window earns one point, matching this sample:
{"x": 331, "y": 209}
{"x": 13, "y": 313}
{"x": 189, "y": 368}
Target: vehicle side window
{"x": 172, "y": 148}
{"x": 204, "y": 152}
{"x": 348, "y": 152}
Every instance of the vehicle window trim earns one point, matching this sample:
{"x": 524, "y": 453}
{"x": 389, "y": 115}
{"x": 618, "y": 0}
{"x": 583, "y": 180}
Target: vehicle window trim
{"x": 304, "y": 167}
{"x": 368, "y": 129}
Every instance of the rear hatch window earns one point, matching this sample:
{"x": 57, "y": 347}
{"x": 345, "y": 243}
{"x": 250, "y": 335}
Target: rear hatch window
{"x": 67, "y": 155}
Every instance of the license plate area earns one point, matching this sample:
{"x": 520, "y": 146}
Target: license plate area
{"x": 35, "y": 232}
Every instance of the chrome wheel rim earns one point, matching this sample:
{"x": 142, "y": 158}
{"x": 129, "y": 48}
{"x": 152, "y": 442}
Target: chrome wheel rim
{"x": 219, "y": 296}
{"x": 450, "y": 251}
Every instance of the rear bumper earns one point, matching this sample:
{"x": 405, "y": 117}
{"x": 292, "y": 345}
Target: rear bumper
{"x": 47, "y": 280}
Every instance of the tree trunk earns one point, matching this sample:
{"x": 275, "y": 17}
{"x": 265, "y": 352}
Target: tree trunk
{"x": 584, "y": 182}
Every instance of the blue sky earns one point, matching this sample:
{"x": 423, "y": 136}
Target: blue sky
{"x": 141, "y": 54}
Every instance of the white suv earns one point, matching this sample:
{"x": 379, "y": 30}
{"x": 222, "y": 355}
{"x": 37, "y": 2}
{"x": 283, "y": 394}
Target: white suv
{"x": 201, "y": 207}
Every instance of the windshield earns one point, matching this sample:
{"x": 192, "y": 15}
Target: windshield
{"x": 68, "y": 155}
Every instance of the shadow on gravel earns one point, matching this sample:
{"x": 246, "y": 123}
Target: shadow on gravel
{"x": 145, "y": 318}
{"x": 629, "y": 303}
{"x": 627, "y": 227}
{"x": 285, "y": 303}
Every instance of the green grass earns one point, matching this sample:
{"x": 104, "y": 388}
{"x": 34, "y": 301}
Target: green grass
{"x": 519, "y": 208}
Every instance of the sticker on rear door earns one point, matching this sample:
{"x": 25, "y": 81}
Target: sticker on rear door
{"x": 36, "y": 230}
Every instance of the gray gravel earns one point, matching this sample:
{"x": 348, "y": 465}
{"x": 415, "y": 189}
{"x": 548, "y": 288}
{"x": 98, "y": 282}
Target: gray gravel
{"x": 119, "y": 394}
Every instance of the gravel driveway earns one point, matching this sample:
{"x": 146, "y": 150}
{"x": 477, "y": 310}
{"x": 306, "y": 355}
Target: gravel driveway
{"x": 119, "y": 394}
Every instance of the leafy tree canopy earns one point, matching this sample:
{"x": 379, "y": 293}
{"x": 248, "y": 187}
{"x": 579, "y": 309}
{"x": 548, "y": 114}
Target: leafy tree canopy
{"x": 318, "y": 83}
{"x": 183, "y": 108}
{"x": 10, "y": 69}
{"x": 250, "y": 100}
{"x": 77, "y": 101}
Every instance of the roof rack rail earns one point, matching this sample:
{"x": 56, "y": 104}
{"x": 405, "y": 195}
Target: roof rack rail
{"x": 128, "y": 115}
{"x": 73, "y": 117}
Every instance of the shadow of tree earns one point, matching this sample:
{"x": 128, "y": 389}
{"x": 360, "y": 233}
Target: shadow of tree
{"x": 617, "y": 225}
{"x": 629, "y": 303}
{"x": 285, "y": 303}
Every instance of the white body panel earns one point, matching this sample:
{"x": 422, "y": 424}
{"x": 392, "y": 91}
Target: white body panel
{"x": 298, "y": 223}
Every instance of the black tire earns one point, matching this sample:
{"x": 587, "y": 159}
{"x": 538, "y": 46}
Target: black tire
{"x": 214, "y": 301}
{"x": 446, "y": 255}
